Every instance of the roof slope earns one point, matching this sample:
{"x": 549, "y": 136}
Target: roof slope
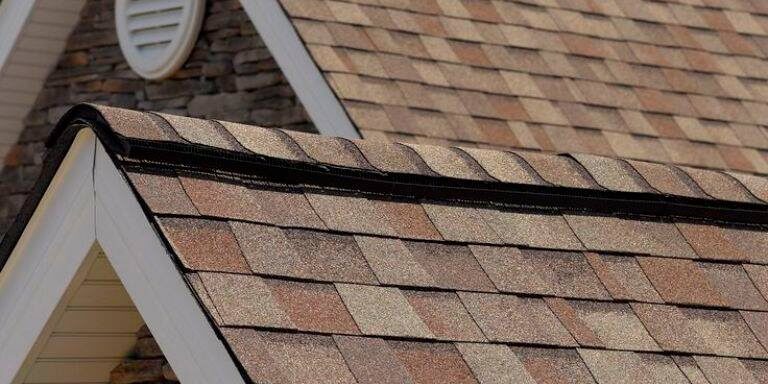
{"x": 678, "y": 82}
{"x": 322, "y": 260}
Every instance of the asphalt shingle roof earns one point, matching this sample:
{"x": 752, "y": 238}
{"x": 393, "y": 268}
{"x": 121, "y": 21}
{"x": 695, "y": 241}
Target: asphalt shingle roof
{"x": 678, "y": 82}
{"x": 313, "y": 279}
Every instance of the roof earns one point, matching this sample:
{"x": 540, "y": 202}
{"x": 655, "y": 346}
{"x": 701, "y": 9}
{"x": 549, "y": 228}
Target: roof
{"x": 320, "y": 259}
{"x": 679, "y": 82}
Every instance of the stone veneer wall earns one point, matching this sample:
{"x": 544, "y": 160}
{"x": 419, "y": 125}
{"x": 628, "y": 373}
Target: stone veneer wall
{"x": 147, "y": 364}
{"x": 230, "y": 75}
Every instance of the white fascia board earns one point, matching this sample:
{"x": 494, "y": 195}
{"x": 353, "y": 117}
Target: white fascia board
{"x": 324, "y": 108}
{"x": 13, "y": 16}
{"x": 89, "y": 201}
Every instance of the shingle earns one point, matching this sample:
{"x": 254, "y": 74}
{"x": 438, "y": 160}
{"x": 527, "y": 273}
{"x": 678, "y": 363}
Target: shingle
{"x": 237, "y": 201}
{"x": 681, "y": 281}
{"x": 444, "y": 315}
{"x": 265, "y": 142}
{"x": 757, "y": 185}
{"x": 531, "y": 229}
{"x": 407, "y": 219}
{"x": 450, "y": 266}
{"x": 311, "y": 307}
{"x": 554, "y": 365}
{"x": 508, "y": 318}
{"x": 449, "y": 162}
{"x": 392, "y": 262}
{"x": 720, "y": 185}
{"x": 614, "y": 325}
{"x": 565, "y": 274}
{"x": 137, "y": 125}
{"x": 204, "y": 245}
{"x": 460, "y": 223}
{"x": 395, "y": 158}
{"x": 735, "y": 286}
{"x": 619, "y": 366}
{"x": 162, "y": 193}
{"x": 288, "y": 357}
{"x": 558, "y": 170}
{"x": 202, "y": 295}
{"x": 602, "y": 233}
{"x": 758, "y": 323}
{"x": 330, "y": 150}
{"x": 203, "y": 132}
{"x": 758, "y": 274}
{"x": 623, "y": 277}
{"x": 493, "y": 363}
{"x": 244, "y": 300}
{"x": 349, "y": 214}
{"x": 691, "y": 370}
{"x": 613, "y": 174}
{"x": 372, "y": 360}
{"x": 382, "y": 311}
{"x": 302, "y": 254}
{"x": 699, "y": 330}
{"x": 666, "y": 179}
{"x": 723, "y": 243}
{"x": 433, "y": 363}
{"x": 725, "y": 370}
{"x": 505, "y": 166}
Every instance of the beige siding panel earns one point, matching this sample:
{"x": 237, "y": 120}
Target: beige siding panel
{"x": 102, "y": 270}
{"x": 101, "y": 295}
{"x": 95, "y": 321}
{"x": 94, "y": 371}
{"x": 88, "y": 346}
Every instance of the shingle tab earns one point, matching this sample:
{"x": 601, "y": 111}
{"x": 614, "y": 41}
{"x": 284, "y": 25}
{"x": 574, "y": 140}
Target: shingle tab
{"x": 349, "y": 214}
{"x": 244, "y": 301}
{"x": 618, "y": 366}
{"x": 723, "y": 243}
{"x": 531, "y": 229}
{"x": 372, "y": 360}
{"x": 602, "y": 233}
{"x": 461, "y": 223}
{"x": 613, "y": 174}
{"x": 444, "y": 315}
{"x": 623, "y": 277}
{"x": 508, "y": 318}
{"x": 451, "y": 266}
{"x": 382, "y": 311}
{"x": 433, "y": 363}
{"x": 163, "y": 193}
{"x": 204, "y": 245}
{"x": 493, "y": 363}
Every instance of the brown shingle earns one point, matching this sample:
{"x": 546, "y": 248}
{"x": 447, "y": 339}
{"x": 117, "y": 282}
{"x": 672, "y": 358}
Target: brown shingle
{"x": 699, "y": 330}
{"x": 554, "y": 365}
{"x": 613, "y": 174}
{"x": 461, "y": 223}
{"x": 288, "y": 357}
{"x": 564, "y": 274}
{"x": 735, "y": 286}
{"x": 394, "y": 158}
{"x": 433, "y": 363}
{"x": 757, "y": 185}
{"x": 719, "y": 185}
{"x": 450, "y": 162}
{"x": 723, "y": 243}
{"x": 237, "y": 201}
{"x": 623, "y": 277}
{"x": 494, "y": 363}
{"x": 508, "y": 318}
{"x": 620, "y": 366}
{"x": 312, "y": 307}
{"x": 372, "y": 360}
{"x": 681, "y": 281}
{"x": 393, "y": 263}
{"x": 666, "y": 179}
{"x": 330, "y": 150}
{"x": 203, "y": 132}
{"x": 444, "y": 315}
{"x": 349, "y": 214}
{"x": 265, "y": 142}
{"x": 302, "y": 254}
{"x": 450, "y": 266}
{"x": 382, "y": 311}
{"x": 204, "y": 245}
{"x": 137, "y": 125}
{"x": 505, "y": 166}
{"x": 162, "y": 193}
{"x": 407, "y": 219}
{"x": 558, "y": 170}
{"x": 608, "y": 325}
{"x": 244, "y": 301}
{"x": 531, "y": 229}
{"x": 602, "y": 233}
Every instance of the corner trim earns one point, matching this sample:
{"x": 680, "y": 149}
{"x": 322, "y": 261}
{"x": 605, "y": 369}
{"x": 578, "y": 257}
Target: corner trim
{"x": 305, "y": 77}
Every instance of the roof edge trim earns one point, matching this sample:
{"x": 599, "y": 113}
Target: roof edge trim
{"x": 324, "y": 108}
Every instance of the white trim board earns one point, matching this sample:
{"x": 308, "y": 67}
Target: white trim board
{"x": 33, "y": 34}
{"x": 88, "y": 202}
{"x": 302, "y": 73}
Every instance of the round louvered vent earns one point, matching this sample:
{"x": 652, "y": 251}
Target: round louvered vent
{"x": 156, "y": 36}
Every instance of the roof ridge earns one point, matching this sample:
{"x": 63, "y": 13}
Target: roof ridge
{"x": 538, "y": 179}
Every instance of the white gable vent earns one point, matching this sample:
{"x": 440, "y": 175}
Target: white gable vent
{"x": 156, "y": 36}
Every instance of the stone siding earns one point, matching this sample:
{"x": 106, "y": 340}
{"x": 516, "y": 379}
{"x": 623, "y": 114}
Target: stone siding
{"x": 147, "y": 364}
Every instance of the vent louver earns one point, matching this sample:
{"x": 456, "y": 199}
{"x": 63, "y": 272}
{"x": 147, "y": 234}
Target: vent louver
{"x": 156, "y": 36}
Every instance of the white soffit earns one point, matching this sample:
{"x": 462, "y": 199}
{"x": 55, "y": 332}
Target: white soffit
{"x": 307, "y": 81}
{"x": 88, "y": 202}
{"x": 157, "y": 36}
{"x": 33, "y": 34}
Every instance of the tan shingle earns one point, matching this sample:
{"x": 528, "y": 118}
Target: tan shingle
{"x": 382, "y": 311}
